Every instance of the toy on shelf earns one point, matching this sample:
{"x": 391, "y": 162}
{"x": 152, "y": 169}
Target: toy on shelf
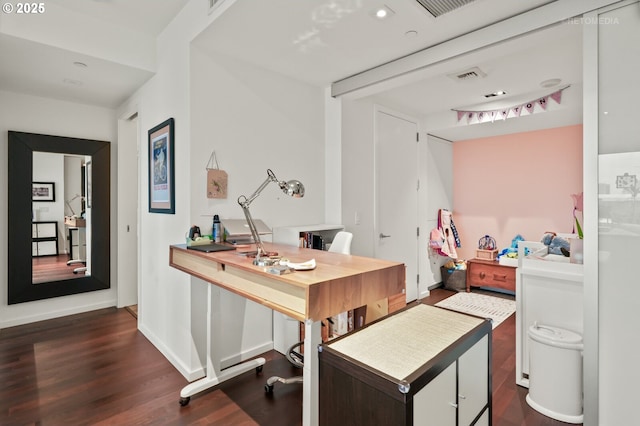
{"x": 487, "y": 248}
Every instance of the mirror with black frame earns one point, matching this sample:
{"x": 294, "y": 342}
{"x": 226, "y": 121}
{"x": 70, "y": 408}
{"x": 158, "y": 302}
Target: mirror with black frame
{"x": 59, "y": 208}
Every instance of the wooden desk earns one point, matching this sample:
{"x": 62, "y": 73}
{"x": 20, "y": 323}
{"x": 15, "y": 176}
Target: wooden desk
{"x": 338, "y": 283}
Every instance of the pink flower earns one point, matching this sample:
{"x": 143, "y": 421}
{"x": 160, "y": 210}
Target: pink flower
{"x": 577, "y": 201}
{"x": 577, "y": 207}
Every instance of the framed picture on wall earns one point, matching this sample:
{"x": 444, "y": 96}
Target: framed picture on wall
{"x": 162, "y": 168}
{"x": 43, "y": 191}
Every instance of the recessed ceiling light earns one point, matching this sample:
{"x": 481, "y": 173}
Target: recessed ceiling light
{"x": 551, "y": 82}
{"x": 80, "y": 64}
{"x": 494, "y": 94}
{"x": 383, "y": 12}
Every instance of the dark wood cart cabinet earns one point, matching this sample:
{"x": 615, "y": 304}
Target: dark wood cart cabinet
{"x": 421, "y": 366}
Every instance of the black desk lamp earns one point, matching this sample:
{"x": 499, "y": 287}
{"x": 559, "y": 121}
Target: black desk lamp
{"x": 293, "y": 188}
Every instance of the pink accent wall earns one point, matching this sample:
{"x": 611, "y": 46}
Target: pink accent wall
{"x": 515, "y": 184}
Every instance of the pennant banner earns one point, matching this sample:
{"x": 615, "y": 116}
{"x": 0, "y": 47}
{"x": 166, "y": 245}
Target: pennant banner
{"x": 513, "y": 111}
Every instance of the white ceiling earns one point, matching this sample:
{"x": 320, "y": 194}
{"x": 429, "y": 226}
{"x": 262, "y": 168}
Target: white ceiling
{"x": 319, "y": 42}
{"x": 38, "y": 52}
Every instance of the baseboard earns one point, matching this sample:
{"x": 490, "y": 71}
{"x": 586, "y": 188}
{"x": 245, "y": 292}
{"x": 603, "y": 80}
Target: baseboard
{"x": 436, "y": 285}
{"x": 424, "y": 294}
{"x": 28, "y": 319}
{"x": 187, "y": 373}
{"x": 192, "y": 374}
{"x": 245, "y": 355}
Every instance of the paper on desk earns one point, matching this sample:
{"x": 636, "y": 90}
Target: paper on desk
{"x": 304, "y": 266}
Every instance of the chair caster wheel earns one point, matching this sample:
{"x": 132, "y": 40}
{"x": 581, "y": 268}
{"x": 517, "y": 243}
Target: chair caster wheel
{"x": 259, "y": 369}
{"x": 184, "y": 401}
{"x": 268, "y": 388}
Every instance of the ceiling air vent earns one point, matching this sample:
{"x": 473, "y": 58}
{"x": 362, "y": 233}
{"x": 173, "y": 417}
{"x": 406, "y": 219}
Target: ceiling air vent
{"x": 468, "y": 74}
{"x": 440, "y": 7}
{"x": 213, "y": 4}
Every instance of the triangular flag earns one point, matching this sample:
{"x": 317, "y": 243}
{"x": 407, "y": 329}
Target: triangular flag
{"x": 460, "y": 115}
{"x": 529, "y": 107}
{"x": 557, "y": 96}
{"x": 469, "y": 117}
{"x": 492, "y": 114}
{"x": 480, "y": 116}
{"x": 504, "y": 113}
{"x": 543, "y": 102}
{"x": 517, "y": 110}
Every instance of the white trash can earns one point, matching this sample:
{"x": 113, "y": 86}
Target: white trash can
{"x": 555, "y": 373}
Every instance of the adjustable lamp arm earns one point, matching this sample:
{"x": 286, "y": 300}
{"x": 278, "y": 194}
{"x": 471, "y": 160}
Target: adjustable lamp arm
{"x": 68, "y": 203}
{"x": 246, "y": 202}
{"x": 293, "y": 188}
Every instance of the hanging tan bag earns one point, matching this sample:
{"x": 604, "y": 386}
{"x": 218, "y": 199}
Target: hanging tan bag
{"x": 216, "y": 179}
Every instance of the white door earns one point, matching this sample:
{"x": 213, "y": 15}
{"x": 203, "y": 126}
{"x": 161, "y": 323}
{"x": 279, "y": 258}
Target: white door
{"x": 127, "y": 212}
{"x": 396, "y": 185}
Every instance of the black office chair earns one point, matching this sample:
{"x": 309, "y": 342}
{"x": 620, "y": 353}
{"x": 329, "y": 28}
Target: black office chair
{"x": 295, "y": 358}
{"x": 341, "y": 244}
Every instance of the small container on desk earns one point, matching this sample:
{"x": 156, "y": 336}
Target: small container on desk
{"x": 486, "y": 254}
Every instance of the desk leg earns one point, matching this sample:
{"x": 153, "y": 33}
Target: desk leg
{"x": 215, "y": 375}
{"x": 312, "y": 338}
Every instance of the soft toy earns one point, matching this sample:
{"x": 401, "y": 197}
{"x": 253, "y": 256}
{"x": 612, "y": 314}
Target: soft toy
{"x": 512, "y": 251}
{"x": 555, "y": 243}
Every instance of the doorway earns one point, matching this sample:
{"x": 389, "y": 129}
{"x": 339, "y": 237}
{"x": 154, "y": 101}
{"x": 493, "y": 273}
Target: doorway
{"x": 396, "y": 183}
{"x": 128, "y": 183}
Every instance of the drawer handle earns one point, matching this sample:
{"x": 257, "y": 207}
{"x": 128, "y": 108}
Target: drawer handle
{"x": 482, "y": 275}
{"x": 453, "y": 404}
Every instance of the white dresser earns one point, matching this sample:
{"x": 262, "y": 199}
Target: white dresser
{"x": 549, "y": 291}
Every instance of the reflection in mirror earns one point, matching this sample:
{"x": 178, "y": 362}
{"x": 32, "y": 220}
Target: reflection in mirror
{"x": 619, "y": 186}
{"x": 34, "y": 205}
{"x": 59, "y": 229}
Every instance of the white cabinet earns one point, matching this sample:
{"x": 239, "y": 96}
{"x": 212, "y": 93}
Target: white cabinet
{"x": 77, "y": 243}
{"x": 436, "y": 403}
{"x": 465, "y": 392}
{"x": 44, "y": 238}
{"x": 473, "y": 382}
{"x": 549, "y": 291}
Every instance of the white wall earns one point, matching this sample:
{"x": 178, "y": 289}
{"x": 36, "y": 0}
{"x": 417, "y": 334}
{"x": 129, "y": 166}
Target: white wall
{"x": 358, "y": 174}
{"x": 34, "y": 114}
{"x": 611, "y": 150}
{"x": 254, "y": 120}
{"x": 49, "y": 167}
{"x": 436, "y": 186}
{"x": 437, "y": 176}
{"x": 165, "y": 314}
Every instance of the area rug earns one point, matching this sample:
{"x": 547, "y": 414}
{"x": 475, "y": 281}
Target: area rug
{"x": 480, "y": 305}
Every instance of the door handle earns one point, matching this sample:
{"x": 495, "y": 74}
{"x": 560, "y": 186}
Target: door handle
{"x": 383, "y": 236}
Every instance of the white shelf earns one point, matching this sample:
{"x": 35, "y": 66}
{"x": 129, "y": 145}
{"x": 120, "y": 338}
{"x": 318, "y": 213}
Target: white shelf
{"x": 290, "y": 235}
{"x": 285, "y": 330}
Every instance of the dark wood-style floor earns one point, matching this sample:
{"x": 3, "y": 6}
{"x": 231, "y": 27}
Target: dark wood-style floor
{"x": 54, "y": 268}
{"x": 97, "y": 368}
